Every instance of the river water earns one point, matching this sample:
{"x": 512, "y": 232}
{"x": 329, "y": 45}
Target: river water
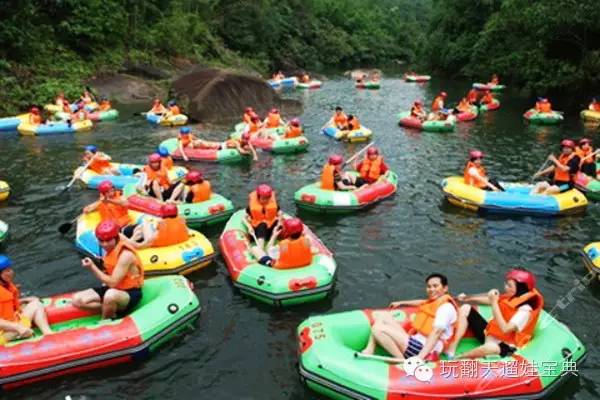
{"x": 241, "y": 349}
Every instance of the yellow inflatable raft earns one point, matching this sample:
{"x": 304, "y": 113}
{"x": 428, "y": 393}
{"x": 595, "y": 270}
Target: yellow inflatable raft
{"x": 54, "y": 128}
{"x": 4, "y": 190}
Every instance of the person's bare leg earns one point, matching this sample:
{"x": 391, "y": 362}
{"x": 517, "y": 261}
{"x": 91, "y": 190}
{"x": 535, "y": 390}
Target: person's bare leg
{"x": 87, "y": 300}
{"x": 392, "y": 341}
{"x": 34, "y": 310}
{"x": 114, "y": 300}
{"x": 461, "y": 328}
{"x": 488, "y": 348}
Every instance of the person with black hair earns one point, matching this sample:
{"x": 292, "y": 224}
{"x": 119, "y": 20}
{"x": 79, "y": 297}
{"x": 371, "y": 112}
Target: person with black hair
{"x": 514, "y": 316}
{"x": 432, "y": 327}
{"x": 474, "y": 173}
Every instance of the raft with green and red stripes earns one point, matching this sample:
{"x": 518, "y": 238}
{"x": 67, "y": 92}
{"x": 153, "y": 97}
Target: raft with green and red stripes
{"x": 82, "y": 341}
{"x": 274, "y": 142}
{"x": 277, "y": 287}
{"x": 329, "y": 363}
{"x": 3, "y": 231}
{"x": 543, "y": 118}
{"x": 223, "y": 155}
{"x": 494, "y": 105}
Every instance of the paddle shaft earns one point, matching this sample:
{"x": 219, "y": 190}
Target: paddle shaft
{"x": 359, "y": 153}
{"x": 77, "y": 175}
{"x": 539, "y": 170}
{"x": 391, "y": 360}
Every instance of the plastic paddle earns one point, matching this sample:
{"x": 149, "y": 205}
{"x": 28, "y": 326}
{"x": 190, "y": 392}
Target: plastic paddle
{"x": 77, "y": 175}
{"x": 359, "y": 153}
{"x": 539, "y": 170}
{"x": 391, "y": 360}
{"x": 66, "y": 227}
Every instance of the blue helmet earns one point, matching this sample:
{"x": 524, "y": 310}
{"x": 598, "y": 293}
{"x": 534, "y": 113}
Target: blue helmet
{"x": 5, "y": 262}
{"x": 185, "y": 130}
{"x": 163, "y": 152}
{"x": 91, "y": 148}
{"x": 171, "y": 103}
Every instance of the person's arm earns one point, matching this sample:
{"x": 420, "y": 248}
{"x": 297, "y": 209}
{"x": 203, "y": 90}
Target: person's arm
{"x": 253, "y": 151}
{"x": 19, "y": 329}
{"x": 91, "y": 207}
{"x": 125, "y": 260}
{"x": 430, "y": 343}
{"x": 475, "y": 174}
{"x": 504, "y": 325}
{"x": 120, "y": 201}
{"x": 557, "y": 163}
{"x": 474, "y": 299}
{"x": 408, "y": 303}
{"x": 180, "y": 144}
{"x": 546, "y": 171}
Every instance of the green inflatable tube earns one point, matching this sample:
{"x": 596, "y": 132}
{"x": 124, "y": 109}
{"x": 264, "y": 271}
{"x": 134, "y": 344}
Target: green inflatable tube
{"x": 3, "y": 231}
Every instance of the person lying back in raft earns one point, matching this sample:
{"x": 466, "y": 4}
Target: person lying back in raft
{"x": 475, "y": 174}
{"x": 195, "y": 188}
{"x": 473, "y": 96}
{"x": 594, "y": 105}
{"x": 81, "y": 114}
{"x": 494, "y": 81}
{"x": 110, "y": 205}
{"x": 293, "y": 129}
{"x": 563, "y": 170}
{"x": 487, "y": 98}
{"x": 332, "y": 177}
{"x": 157, "y": 107}
{"x": 339, "y": 119}
{"x": 372, "y": 166}
{"x": 100, "y": 162}
{"x": 35, "y": 117}
{"x": 104, "y": 104}
{"x": 543, "y": 105}
{"x": 433, "y": 326}
{"x": 417, "y": 111}
{"x": 156, "y": 182}
{"x": 188, "y": 141}
{"x": 18, "y": 313}
{"x": 173, "y": 109}
{"x": 293, "y": 251}
{"x": 262, "y": 214}
{"x": 587, "y": 157}
{"x": 122, "y": 282}
{"x": 169, "y": 230}
{"x": 86, "y": 97}
{"x": 514, "y": 316}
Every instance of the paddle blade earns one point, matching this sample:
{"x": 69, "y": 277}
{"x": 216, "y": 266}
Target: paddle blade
{"x": 64, "y": 228}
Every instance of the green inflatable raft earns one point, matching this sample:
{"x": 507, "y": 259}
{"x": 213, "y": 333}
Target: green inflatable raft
{"x": 3, "y": 231}
{"x": 330, "y": 363}
{"x": 407, "y": 120}
{"x": 543, "y": 118}
{"x": 277, "y": 287}
{"x": 223, "y": 155}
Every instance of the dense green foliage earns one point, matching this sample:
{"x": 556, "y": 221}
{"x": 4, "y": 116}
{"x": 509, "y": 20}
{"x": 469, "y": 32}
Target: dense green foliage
{"x": 50, "y": 45}
{"x": 539, "y": 45}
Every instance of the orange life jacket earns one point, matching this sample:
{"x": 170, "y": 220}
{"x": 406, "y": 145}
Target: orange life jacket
{"x": 35, "y": 119}
{"x": 66, "y": 107}
{"x": 171, "y": 231}
{"x": 254, "y": 127}
{"x": 559, "y": 174}
{"x": 508, "y": 308}
{"x": 495, "y": 80}
{"x": 425, "y": 316}
{"x": 584, "y": 153}
{"x": 595, "y": 107}
{"x": 437, "y": 104}
{"x": 99, "y": 166}
{"x": 469, "y": 180}
{"x": 247, "y": 118}
{"x": 174, "y": 110}
{"x": 260, "y": 213}
{"x": 293, "y": 131}
{"x": 131, "y": 280}
{"x": 167, "y": 162}
{"x": 186, "y": 140}
{"x": 201, "y": 191}
{"x": 545, "y": 107}
{"x": 162, "y": 175}
{"x": 104, "y": 105}
{"x": 487, "y": 98}
{"x": 340, "y": 120}
{"x": 371, "y": 170}
{"x": 158, "y": 109}
{"x": 355, "y": 124}
{"x": 464, "y": 105}
{"x": 115, "y": 212}
{"x": 327, "y": 181}
{"x": 294, "y": 253}
{"x": 472, "y": 96}
{"x": 273, "y": 120}
{"x": 416, "y": 111}
{"x": 9, "y": 302}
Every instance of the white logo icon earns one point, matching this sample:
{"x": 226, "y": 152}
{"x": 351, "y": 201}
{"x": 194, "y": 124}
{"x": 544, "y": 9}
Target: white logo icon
{"x": 416, "y": 367}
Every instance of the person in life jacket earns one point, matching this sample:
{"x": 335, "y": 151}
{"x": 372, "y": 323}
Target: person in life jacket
{"x": 353, "y": 123}
{"x": 594, "y": 105}
{"x": 333, "y": 178}
{"x": 273, "y": 119}
{"x": 339, "y": 119}
{"x": 111, "y": 205}
{"x": 487, "y": 98}
{"x": 305, "y": 78}
{"x": 433, "y": 326}
{"x": 105, "y": 104}
{"x": 472, "y": 96}
{"x": 242, "y": 145}
{"x": 59, "y": 100}
{"x": 99, "y": 161}
{"x": 66, "y": 107}
{"x": 262, "y": 214}
{"x": 156, "y": 182}
{"x": 475, "y": 175}
{"x": 248, "y": 114}
{"x": 278, "y": 76}
{"x": 35, "y": 118}
{"x": 293, "y": 129}
{"x": 564, "y": 169}
{"x": 166, "y": 158}
{"x": 18, "y": 314}
{"x": 372, "y": 166}
{"x": 169, "y": 230}
{"x": 463, "y": 105}
{"x": 543, "y": 105}
{"x": 293, "y": 251}
{"x": 186, "y": 140}
{"x": 514, "y": 316}
{"x": 173, "y": 109}
{"x": 122, "y": 278}
{"x": 375, "y": 77}
{"x": 587, "y": 157}
{"x": 80, "y": 114}
{"x": 438, "y": 103}
{"x": 495, "y": 80}
{"x": 86, "y": 97}
{"x": 157, "y": 107}
{"x": 195, "y": 188}
{"x": 417, "y": 111}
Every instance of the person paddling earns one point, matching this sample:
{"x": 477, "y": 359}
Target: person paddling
{"x": 372, "y": 166}
{"x": 333, "y": 178}
{"x": 587, "y": 157}
{"x": 563, "y": 170}
{"x": 475, "y": 175}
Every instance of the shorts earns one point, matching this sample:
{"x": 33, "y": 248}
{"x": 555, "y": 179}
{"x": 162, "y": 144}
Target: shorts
{"x": 266, "y": 260}
{"x": 563, "y": 186}
{"x": 166, "y": 192}
{"x": 24, "y": 321}
{"x": 477, "y": 325}
{"x": 589, "y": 169}
{"x": 414, "y": 347}
{"x": 135, "y": 295}
{"x": 262, "y": 231}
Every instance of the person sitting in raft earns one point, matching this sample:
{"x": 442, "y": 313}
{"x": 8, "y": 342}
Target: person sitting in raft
{"x": 375, "y": 77}
{"x": 81, "y": 114}
{"x": 273, "y": 119}
{"x": 463, "y": 105}
{"x": 437, "y": 104}
{"x": 339, "y": 119}
{"x": 564, "y": 170}
{"x": 156, "y": 183}
{"x": 353, "y": 123}
{"x": 278, "y": 76}
{"x": 60, "y": 100}
{"x": 99, "y": 162}
{"x": 295, "y": 249}
{"x": 293, "y": 129}
{"x": 242, "y": 145}
{"x": 105, "y": 104}
{"x": 372, "y": 166}
{"x": 515, "y": 315}
{"x": 195, "y": 188}
{"x": 17, "y": 314}
{"x": 487, "y": 98}
{"x": 255, "y": 126}
{"x": 543, "y": 105}
{"x": 332, "y": 177}
{"x": 417, "y": 111}
{"x": 248, "y": 114}
{"x": 594, "y": 105}
{"x": 173, "y": 109}
{"x": 157, "y": 107}
{"x": 495, "y": 80}
{"x": 262, "y": 214}
{"x": 587, "y": 157}
{"x": 169, "y": 230}
{"x": 35, "y": 117}
{"x": 121, "y": 283}
{"x": 111, "y": 205}
{"x": 433, "y": 326}
{"x": 473, "y": 96}
{"x": 304, "y": 78}
{"x": 475, "y": 174}
{"x": 86, "y": 97}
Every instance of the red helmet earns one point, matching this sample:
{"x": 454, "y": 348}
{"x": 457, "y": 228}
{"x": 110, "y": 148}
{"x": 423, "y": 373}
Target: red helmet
{"x": 105, "y": 186}
{"x": 245, "y": 136}
{"x": 154, "y": 158}
{"x": 274, "y": 111}
{"x": 35, "y": 110}
{"x": 418, "y": 103}
{"x": 170, "y": 210}
{"x": 249, "y": 110}
{"x": 264, "y": 190}
{"x": 585, "y": 140}
{"x": 254, "y": 118}
{"x": 567, "y": 143}
{"x": 193, "y": 176}
{"x": 107, "y": 230}
{"x": 523, "y": 276}
{"x": 295, "y": 122}
{"x": 475, "y": 154}
{"x": 444, "y": 94}
{"x": 335, "y": 159}
{"x": 372, "y": 151}
{"x": 292, "y": 226}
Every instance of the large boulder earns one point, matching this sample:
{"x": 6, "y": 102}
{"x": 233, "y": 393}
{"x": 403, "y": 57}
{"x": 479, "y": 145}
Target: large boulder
{"x": 220, "y": 96}
{"x": 127, "y": 89}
